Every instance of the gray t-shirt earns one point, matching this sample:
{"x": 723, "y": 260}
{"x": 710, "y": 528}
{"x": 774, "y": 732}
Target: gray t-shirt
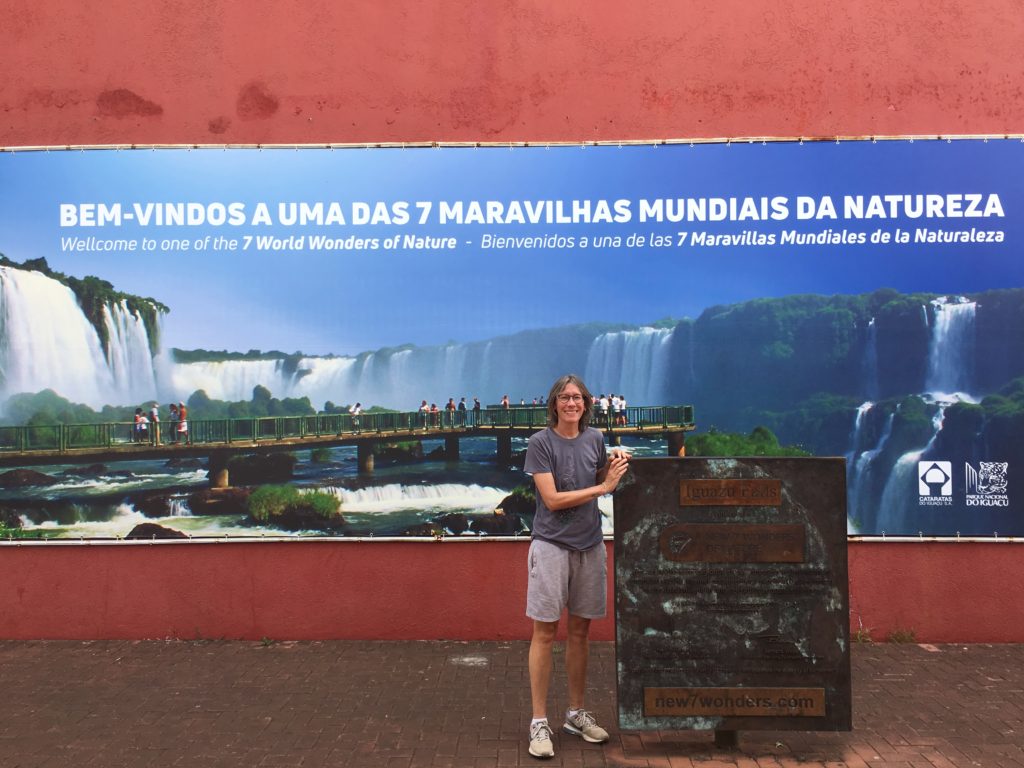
{"x": 573, "y": 464}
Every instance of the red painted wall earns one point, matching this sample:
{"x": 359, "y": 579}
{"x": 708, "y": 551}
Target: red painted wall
{"x": 397, "y": 71}
{"x": 323, "y": 71}
{"x": 944, "y": 592}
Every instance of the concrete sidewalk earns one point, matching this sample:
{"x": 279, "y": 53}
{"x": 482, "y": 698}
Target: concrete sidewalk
{"x": 406, "y": 704}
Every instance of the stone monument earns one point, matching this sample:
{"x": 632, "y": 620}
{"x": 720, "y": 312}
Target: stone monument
{"x": 731, "y": 595}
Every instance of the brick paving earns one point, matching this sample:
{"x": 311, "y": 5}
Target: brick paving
{"x": 407, "y": 704}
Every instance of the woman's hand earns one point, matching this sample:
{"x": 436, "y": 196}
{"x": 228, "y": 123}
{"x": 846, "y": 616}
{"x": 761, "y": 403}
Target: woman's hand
{"x": 617, "y": 466}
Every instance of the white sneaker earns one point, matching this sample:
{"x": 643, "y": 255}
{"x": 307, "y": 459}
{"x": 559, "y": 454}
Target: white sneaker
{"x": 540, "y": 740}
{"x": 585, "y": 726}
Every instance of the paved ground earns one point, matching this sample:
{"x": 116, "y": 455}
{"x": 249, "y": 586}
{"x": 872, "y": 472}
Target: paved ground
{"x": 402, "y": 705}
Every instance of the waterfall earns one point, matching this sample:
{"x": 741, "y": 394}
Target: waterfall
{"x": 860, "y": 468}
{"x": 951, "y": 347}
{"x": 229, "y": 379}
{"x": 691, "y": 356}
{"x": 47, "y": 342}
{"x": 870, "y": 365}
{"x": 128, "y": 355}
{"x": 855, "y": 433}
{"x": 633, "y": 363}
{"x": 384, "y": 498}
{"x": 901, "y": 489}
{"x": 321, "y": 378}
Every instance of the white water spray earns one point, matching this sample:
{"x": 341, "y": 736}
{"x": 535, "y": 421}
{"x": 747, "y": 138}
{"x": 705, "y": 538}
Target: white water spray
{"x": 951, "y": 347}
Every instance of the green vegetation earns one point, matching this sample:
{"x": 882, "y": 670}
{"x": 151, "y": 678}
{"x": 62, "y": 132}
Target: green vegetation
{"x": 901, "y": 635}
{"x": 93, "y": 294}
{"x": 263, "y": 403}
{"x": 666, "y": 322}
{"x": 47, "y": 408}
{"x": 525, "y": 493}
{"x": 822, "y": 422}
{"x": 863, "y": 635}
{"x": 269, "y": 502}
{"x": 289, "y": 361}
{"x": 10, "y": 532}
{"x": 330, "y": 407}
{"x": 219, "y": 356}
{"x": 760, "y": 442}
{"x": 796, "y": 364}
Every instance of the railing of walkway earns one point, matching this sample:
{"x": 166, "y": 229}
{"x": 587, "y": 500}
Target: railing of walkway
{"x": 63, "y": 437}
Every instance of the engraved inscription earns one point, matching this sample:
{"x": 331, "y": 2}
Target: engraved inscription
{"x": 768, "y": 584}
{"x": 761, "y": 492}
{"x": 733, "y": 543}
{"x": 750, "y": 702}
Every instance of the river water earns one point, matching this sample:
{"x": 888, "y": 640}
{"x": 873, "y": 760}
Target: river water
{"x": 394, "y": 498}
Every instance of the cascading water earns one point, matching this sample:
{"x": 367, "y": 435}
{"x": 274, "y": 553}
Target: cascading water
{"x": 855, "y": 433}
{"x": 870, "y": 365}
{"x": 441, "y": 496}
{"x": 951, "y": 347}
{"x": 633, "y": 363}
{"x": 322, "y": 378}
{"x": 129, "y": 355}
{"x": 901, "y": 489}
{"x": 860, "y": 468}
{"x": 46, "y": 342}
{"x": 229, "y": 379}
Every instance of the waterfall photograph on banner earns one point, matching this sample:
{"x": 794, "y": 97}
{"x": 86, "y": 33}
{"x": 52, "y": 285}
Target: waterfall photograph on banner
{"x": 357, "y": 342}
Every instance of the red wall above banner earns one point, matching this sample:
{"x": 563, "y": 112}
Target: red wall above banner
{"x": 313, "y": 72}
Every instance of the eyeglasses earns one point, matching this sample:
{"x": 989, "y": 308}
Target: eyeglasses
{"x": 570, "y": 398}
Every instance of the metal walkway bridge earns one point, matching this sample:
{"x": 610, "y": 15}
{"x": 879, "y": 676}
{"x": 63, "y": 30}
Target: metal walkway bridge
{"x": 219, "y": 438}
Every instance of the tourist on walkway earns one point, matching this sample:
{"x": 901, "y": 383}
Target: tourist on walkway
{"x": 141, "y": 434}
{"x": 154, "y": 420}
{"x": 567, "y": 560}
{"x": 172, "y": 426}
{"x": 182, "y": 423}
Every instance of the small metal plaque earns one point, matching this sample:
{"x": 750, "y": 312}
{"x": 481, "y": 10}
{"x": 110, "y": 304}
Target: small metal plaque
{"x": 731, "y": 595}
{"x": 733, "y": 543}
{"x": 730, "y": 492}
{"x": 748, "y": 702}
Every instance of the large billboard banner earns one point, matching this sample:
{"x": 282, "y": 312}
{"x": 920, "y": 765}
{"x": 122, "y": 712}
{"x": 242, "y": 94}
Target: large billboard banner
{"x": 854, "y": 299}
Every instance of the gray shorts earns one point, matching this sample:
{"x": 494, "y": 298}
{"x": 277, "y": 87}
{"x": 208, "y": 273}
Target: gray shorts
{"x": 564, "y": 578}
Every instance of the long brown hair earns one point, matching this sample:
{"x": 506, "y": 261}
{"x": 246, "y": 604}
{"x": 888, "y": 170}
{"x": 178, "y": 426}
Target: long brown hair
{"x": 556, "y": 390}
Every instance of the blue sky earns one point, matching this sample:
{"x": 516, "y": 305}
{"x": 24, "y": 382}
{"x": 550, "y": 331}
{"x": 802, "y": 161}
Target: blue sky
{"x": 345, "y": 302}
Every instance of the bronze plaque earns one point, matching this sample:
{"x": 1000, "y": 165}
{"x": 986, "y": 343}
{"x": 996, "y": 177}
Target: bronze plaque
{"x": 732, "y": 543}
{"x": 731, "y": 594}
{"x": 730, "y": 492}
{"x": 750, "y": 702}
